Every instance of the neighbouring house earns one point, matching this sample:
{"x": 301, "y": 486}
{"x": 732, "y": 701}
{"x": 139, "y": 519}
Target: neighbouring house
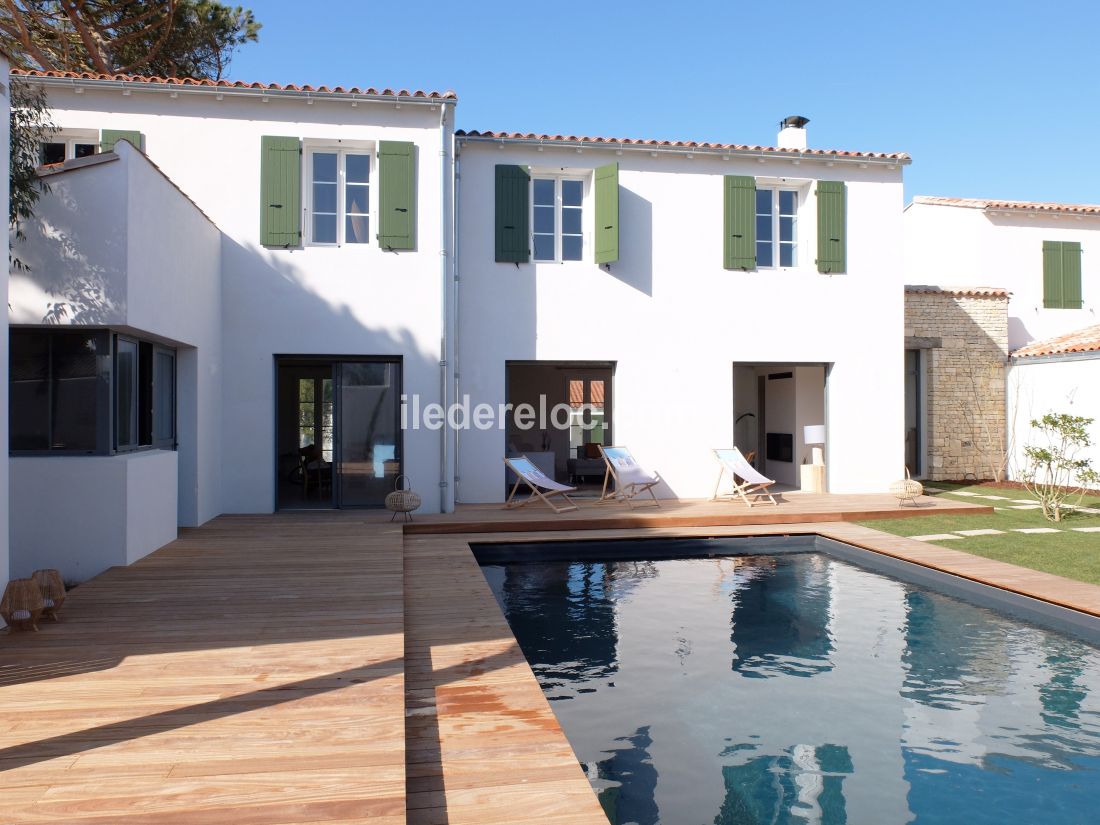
{"x": 956, "y": 349}
{"x": 694, "y": 294}
{"x": 1059, "y": 375}
{"x": 234, "y": 286}
{"x": 1022, "y": 272}
{"x": 1040, "y": 253}
{"x": 231, "y": 286}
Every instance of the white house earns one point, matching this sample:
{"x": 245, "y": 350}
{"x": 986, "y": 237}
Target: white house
{"x": 696, "y": 295}
{"x": 1041, "y": 253}
{"x": 233, "y": 286}
{"x": 260, "y": 283}
{"x": 1059, "y": 375}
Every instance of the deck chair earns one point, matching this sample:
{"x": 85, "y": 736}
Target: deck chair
{"x": 748, "y": 484}
{"x": 527, "y": 473}
{"x": 630, "y": 479}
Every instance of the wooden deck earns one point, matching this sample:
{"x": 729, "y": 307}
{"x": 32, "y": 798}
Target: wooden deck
{"x": 250, "y": 672}
{"x": 794, "y": 508}
{"x": 335, "y": 668}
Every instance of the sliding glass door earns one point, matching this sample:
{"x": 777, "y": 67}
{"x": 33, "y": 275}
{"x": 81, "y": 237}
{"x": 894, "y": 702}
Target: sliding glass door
{"x": 368, "y": 422}
{"x": 338, "y": 432}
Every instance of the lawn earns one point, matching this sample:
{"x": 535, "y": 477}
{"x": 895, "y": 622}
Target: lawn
{"x": 1069, "y": 553}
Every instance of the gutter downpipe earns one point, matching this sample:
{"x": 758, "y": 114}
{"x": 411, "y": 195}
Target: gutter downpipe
{"x": 445, "y": 505}
{"x": 456, "y": 181}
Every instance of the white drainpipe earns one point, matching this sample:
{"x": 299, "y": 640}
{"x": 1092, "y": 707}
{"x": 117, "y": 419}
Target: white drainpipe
{"x": 445, "y": 504}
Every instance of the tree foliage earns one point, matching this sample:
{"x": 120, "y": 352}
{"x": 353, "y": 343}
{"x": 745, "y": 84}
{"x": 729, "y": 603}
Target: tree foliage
{"x": 177, "y": 38}
{"x": 1055, "y": 472}
{"x": 30, "y": 128}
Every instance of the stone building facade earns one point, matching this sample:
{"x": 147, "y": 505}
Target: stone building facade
{"x": 957, "y": 343}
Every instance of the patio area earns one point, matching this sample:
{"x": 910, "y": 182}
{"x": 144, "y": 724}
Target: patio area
{"x": 334, "y": 667}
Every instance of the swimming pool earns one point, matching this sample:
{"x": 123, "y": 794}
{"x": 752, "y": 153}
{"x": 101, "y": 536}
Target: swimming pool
{"x": 779, "y": 682}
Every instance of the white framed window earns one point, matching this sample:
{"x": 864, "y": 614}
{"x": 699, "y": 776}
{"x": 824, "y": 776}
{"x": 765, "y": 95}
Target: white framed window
{"x": 63, "y": 146}
{"x": 776, "y": 227}
{"x": 557, "y": 218}
{"x": 338, "y": 196}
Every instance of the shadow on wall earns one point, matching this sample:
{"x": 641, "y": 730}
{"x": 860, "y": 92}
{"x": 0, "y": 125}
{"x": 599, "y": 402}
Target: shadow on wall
{"x": 635, "y": 265}
{"x": 269, "y": 309}
{"x": 74, "y": 261}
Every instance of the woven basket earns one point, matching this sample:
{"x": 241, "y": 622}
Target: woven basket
{"x": 21, "y": 605}
{"x": 402, "y": 499}
{"x": 53, "y": 591}
{"x": 908, "y": 489}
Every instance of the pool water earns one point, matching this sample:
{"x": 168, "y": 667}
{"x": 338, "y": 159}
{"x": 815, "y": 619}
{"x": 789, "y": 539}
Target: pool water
{"x": 799, "y": 688}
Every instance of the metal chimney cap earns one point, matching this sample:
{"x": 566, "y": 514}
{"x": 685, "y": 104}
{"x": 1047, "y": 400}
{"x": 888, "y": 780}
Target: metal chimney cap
{"x": 794, "y": 122}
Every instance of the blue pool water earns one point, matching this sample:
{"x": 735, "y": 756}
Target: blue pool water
{"x": 803, "y": 689}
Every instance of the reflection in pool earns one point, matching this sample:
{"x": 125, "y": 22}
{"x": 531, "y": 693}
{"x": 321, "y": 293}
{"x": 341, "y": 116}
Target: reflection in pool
{"x": 798, "y": 688}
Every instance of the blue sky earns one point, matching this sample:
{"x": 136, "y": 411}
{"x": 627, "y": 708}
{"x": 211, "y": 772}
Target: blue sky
{"x": 992, "y": 99}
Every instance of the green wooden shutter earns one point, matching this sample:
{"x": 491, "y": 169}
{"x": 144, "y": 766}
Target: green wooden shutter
{"x": 109, "y": 137}
{"x": 1071, "y": 275}
{"x": 280, "y": 191}
{"x": 832, "y": 242}
{"x": 396, "y": 195}
{"x": 513, "y": 202}
{"x": 1052, "y": 274}
{"x": 739, "y": 248}
{"x": 607, "y": 213}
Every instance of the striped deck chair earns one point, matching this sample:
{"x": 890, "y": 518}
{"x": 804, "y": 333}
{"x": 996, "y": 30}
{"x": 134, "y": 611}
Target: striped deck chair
{"x": 630, "y": 479}
{"x": 748, "y": 484}
{"x": 527, "y": 473}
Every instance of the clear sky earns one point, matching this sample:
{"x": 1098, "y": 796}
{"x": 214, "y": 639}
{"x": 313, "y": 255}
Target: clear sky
{"x": 992, "y": 99}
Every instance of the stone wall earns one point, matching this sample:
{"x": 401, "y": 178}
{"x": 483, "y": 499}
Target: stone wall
{"x": 964, "y": 336}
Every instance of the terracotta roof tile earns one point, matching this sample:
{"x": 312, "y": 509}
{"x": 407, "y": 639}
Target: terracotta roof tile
{"x": 1019, "y": 206}
{"x": 958, "y": 291}
{"x": 1082, "y": 340}
{"x": 677, "y": 144}
{"x": 238, "y": 84}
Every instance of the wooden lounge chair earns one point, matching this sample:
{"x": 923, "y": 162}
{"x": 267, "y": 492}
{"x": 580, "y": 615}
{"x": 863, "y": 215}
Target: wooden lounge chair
{"x": 630, "y": 479}
{"x": 527, "y": 473}
{"x": 748, "y": 484}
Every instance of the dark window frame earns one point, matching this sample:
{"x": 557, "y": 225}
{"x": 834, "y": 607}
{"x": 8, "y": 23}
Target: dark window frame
{"x": 146, "y": 434}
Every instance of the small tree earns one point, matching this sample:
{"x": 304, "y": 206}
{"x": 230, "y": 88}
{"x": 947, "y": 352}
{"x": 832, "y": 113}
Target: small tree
{"x": 30, "y": 128}
{"x": 1055, "y": 473}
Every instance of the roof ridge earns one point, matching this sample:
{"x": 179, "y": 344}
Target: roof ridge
{"x": 676, "y": 144}
{"x": 449, "y": 94}
{"x": 997, "y": 205}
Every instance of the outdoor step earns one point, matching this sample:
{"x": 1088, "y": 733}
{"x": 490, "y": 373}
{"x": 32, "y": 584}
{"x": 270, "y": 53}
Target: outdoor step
{"x": 1035, "y": 530}
{"x": 982, "y": 532}
{"x": 936, "y": 537}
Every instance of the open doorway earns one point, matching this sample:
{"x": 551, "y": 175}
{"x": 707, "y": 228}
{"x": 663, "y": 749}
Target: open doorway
{"x": 338, "y": 432}
{"x": 572, "y": 402}
{"x": 773, "y": 404}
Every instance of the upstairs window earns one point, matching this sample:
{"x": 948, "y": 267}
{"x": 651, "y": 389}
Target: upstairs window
{"x": 339, "y": 191}
{"x": 776, "y": 228}
{"x": 61, "y": 147}
{"x": 557, "y": 219}
{"x": 1061, "y": 274}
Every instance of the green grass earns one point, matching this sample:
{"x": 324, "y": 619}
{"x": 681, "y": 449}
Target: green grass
{"x": 1070, "y": 554}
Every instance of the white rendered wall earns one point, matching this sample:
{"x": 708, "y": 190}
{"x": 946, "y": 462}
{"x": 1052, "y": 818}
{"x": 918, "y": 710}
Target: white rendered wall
{"x": 84, "y": 514}
{"x": 673, "y": 321}
{"x": 959, "y": 246}
{"x": 314, "y": 301}
{"x": 1036, "y": 388}
{"x": 5, "y": 139}
{"x": 116, "y": 244}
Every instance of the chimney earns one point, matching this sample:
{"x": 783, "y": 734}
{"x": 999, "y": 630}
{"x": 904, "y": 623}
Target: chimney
{"x": 792, "y": 132}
